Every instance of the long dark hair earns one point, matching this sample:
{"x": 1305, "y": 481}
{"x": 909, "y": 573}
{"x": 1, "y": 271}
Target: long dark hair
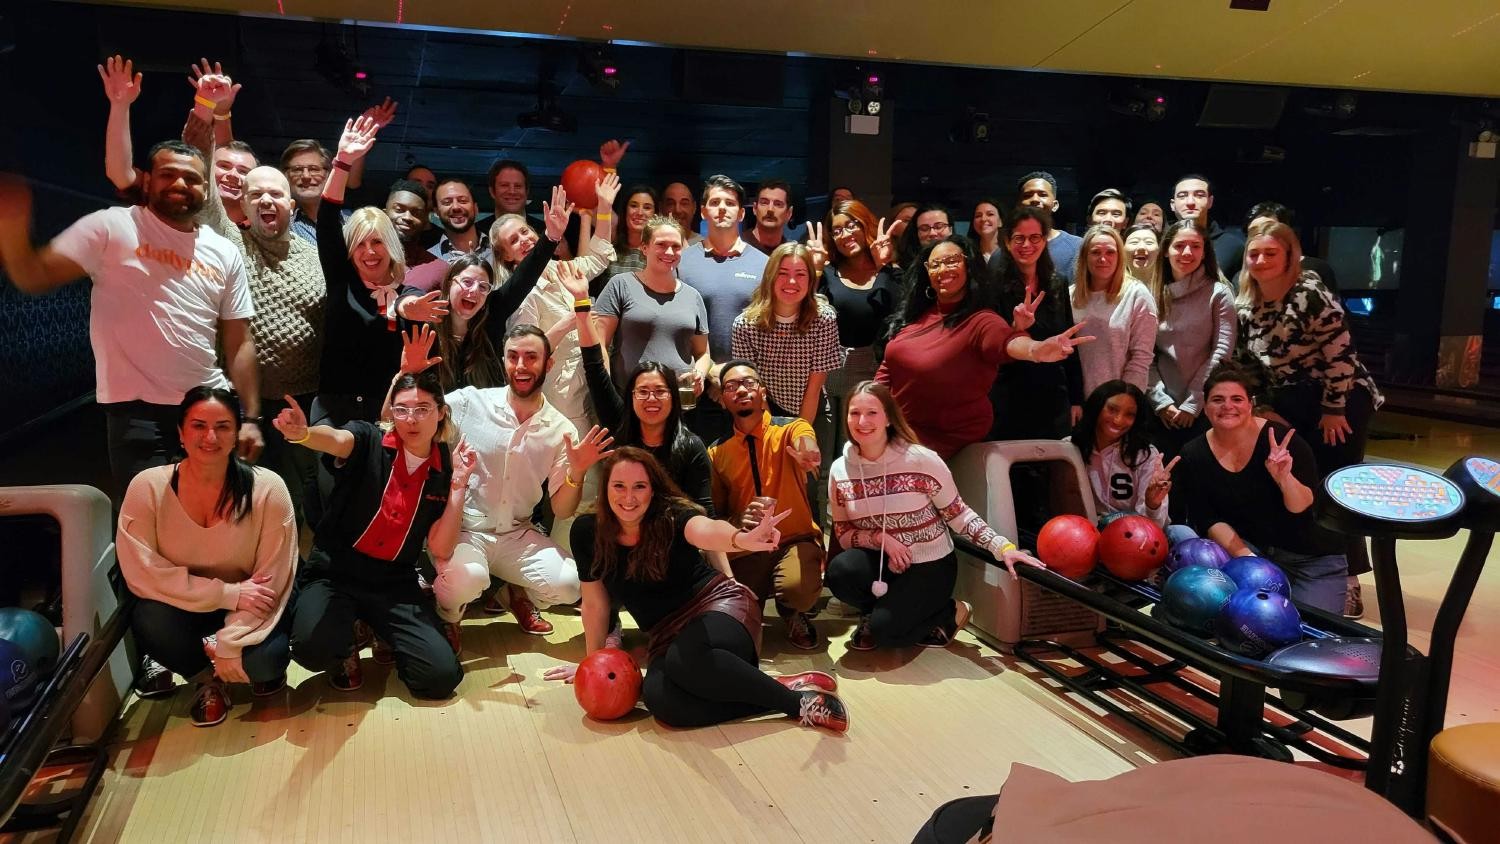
{"x": 622, "y": 206}
{"x": 1009, "y": 280}
{"x": 239, "y": 477}
{"x": 683, "y": 446}
{"x": 648, "y": 560}
{"x": 909, "y": 245}
{"x": 920, "y": 298}
{"x": 1134, "y": 446}
{"x": 1164, "y": 277}
{"x": 481, "y": 366}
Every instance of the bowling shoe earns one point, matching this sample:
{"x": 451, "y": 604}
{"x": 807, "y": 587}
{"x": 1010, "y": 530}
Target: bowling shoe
{"x": 266, "y": 688}
{"x": 210, "y": 704}
{"x": 363, "y": 635}
{"x": 813, "y": 680}
{"x": 382, "y": 652}
{"x": 347, "y": 675}
{"x": 155, "y": 680}
{"x": 1354, "y": 602}
{"x": 800, "y": 631}
{"x": 527, "y": 615}
{"x": 862, "y": 640}
{"x": 823, "y": 709}
{"x": 454, "y": 636}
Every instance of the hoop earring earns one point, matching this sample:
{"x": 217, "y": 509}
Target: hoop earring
{"x": 930, "y": 294}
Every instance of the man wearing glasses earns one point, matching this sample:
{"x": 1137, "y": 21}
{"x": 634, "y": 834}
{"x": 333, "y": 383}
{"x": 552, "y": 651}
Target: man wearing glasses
{"x": 305, "y": 163}
{"x": 761, "y": 469}
{"x": 1039, "y": 190}
{"x": 1192, "y": 197}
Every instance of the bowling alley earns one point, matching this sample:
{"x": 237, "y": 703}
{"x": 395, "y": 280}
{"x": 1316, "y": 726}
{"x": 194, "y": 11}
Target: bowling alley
{"x": 582, "y": 422}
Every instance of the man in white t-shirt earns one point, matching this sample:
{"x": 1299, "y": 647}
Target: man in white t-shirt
{"x": 523, "y": 443}
{"x": 167, "y": 295}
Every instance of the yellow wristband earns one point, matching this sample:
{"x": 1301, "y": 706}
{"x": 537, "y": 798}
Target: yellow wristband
{"x": 602, "y": 216}
{"x": 223, "y": 117}
{"x": 608, "y": 169}
{"x": 205, "y": 102}
{"x": 568, "y": 479}
{"x": 583, "y": 303}
{"x": 1008, "y": 546}
{"x": 305, "y": 437}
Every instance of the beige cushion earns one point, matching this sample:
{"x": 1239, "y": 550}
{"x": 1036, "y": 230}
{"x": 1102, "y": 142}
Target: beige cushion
{"x": 1463, "y": 783}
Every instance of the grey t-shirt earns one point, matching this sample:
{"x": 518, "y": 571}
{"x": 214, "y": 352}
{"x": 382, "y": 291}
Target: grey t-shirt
{"x": 726, "y": 285}
{"x": 653, "y": 326}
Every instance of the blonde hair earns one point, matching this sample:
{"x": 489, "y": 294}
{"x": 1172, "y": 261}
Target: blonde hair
{"x": 1081, "y": 286}
{"x": 497, "y": 252}
{"x": 1250, "y": 295}
{"x": 658, "y": 221}
{"x": 761, "y": 311}
{"x": 369, "y": 222}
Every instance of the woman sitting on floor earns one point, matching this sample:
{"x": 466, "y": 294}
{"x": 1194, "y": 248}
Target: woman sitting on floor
{"x": 892, "y": 502}
{"x": 1124, "y": 468}
{"x": 209, "y": 545}
{"x": 641, "y": 548}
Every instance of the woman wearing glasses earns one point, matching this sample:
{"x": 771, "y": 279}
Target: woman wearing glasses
{"x": 949, "y": 346}
{"x": 393, "y": 492}
{"x": 1035, "y": 400}
{"x": 928, "y": 225}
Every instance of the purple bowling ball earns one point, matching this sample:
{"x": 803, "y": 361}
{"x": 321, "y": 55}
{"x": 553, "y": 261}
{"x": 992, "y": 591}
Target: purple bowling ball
{"x": 1196, "y": 552}
{"x": 1254, "y": 623}
{"x": 1258, "y": 573}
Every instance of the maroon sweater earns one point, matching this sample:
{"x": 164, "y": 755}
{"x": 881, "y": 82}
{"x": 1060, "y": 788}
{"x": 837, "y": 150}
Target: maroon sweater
{"x": 941, "y": 377}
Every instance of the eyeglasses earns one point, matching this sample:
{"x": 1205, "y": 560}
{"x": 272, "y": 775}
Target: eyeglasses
{"x": 746, "y": 383}
{"x": 848, "y": 228}
{"x": 414, "y": 414}
{"x": 646, "y": 394}
{"x": 474, "y": 284}
{"x": 935, "y": 228}
{"x": 1033, "y": 239}
{"x": 952, "y": 262}
{"x": 309, "y": 170}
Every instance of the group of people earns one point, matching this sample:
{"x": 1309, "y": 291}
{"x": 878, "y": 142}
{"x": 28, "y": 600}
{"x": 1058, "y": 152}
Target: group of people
{"x": 739, "y": 417}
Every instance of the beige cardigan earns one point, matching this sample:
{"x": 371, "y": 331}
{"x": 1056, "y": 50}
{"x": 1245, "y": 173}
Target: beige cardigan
{"x": 167, "y": 557}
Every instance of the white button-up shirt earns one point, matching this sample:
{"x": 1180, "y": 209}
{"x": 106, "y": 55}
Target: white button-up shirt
{"x": 515, "y": 458}
{"x": 548, "y": 304}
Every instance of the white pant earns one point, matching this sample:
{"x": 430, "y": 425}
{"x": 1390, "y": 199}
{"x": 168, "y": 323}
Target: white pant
{"x": 525, "y": 557}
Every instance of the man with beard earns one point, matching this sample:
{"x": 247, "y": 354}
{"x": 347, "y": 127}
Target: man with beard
{"x": 406, "y": 205}
{"x": 167, "y": 293}
{"x": 525, "y": 449}
{"x": 769, "y": 458}
{"x": 773, "y": 208}
{"x": 725, "y": 271}
{"x": 677, "y": 202}
{"x": 456, "y": 212}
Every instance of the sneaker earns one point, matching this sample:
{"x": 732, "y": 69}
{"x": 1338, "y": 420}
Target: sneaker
{"x": 454, "y": 636}
{"x": 155, "y": 680}
{"x": 1354, "y": 602}
{"x": 363, "y": 635}
{"x": 823, "y": 709}
{"x": 382, "y": 652}
{"x": 800, "y": 632}
{"x": 268, "y": 687}
{"x": 347, "y": 676}
{"x": 818, "y": 681}
{"x": 862, "y": 640}
{"x": 211, "y": 705}
{"x": 527, "y": 615}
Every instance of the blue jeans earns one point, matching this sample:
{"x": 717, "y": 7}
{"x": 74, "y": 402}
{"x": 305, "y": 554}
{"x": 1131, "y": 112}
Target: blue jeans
{"x": 1317, "y": 580}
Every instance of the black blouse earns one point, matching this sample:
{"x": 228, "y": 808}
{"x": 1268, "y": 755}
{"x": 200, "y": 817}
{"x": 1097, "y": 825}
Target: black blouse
{"x": 647, "y": 601}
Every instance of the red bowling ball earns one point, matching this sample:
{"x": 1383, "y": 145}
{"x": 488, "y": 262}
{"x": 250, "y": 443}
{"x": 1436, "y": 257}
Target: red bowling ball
{"x": 607, "y": 684}
{"x": 1069, "y": 545}
{"x": 1132, "y": 547}
{"x": 579, "y": 179}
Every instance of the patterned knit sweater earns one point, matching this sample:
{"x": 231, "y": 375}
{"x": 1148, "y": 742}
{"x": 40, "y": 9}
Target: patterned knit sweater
{"x": 908, "y": 493}
{"x": 1303, "y": 337}
{"x": 286, "y": 284}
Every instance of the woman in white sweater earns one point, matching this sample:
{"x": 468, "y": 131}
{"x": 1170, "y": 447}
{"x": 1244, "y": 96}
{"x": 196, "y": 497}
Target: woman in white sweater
{"x": 892, "y": 503}
{"x": 209, "y": 546}
{"x": 1115, "y": 309}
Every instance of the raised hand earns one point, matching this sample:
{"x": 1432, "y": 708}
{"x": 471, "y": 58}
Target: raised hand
{"x": 594, "y": 446}
{"x": 219, "y": 89}
{"x": 15, "y": 202}
{"x": 425, "y": 308}
{"x": 357, "y": 139}
{"x": 764, "y": 536}
{"x": 1279, "y": 461}
{"x": 883, "y": 246}
{"x": 1059, "y": 346}
{"x": 203, "y": 70}
{"x": 1023, "y": 316}
{"x": 610, "y": 153}
{"x": 1015, "y": 556}
{"x": 555, "y": 213}
{"x": 122, "y": 85}
{"x": 815, "y": 241}
{"x": 1160, "y": 483}
{"x": 465, "y": 461}
{"x": 291, "y": 421}
{"x": 607, "y": 188}
{"x": 416, "y": 345}
{"x": 251, "y": 442}
{"x": 1335, "y": 428}
{"x": 572, "y": 279}
{"x": 383, "y": 114}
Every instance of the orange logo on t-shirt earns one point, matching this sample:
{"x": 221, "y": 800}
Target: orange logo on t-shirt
{"x": 163, "y": 255}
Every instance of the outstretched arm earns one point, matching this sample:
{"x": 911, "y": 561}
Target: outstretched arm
{"x": 122, "y": 85}
{"x": 33, "y": 271}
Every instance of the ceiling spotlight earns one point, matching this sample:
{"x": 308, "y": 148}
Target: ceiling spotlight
{"x": 599, "y": 67}
{"x": 340, "y": 65}
{"x": 1140, "y": 102}
{"x": 548, "y": 115}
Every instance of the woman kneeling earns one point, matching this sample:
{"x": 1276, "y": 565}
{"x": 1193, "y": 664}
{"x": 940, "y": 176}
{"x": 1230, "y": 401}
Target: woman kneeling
{"x": 641, "y": 549}
{"x": 209, "y": 545}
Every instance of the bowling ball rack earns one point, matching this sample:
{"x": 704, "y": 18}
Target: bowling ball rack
{"x": 30, "y": 742}
{"x": 1150, "y": 657}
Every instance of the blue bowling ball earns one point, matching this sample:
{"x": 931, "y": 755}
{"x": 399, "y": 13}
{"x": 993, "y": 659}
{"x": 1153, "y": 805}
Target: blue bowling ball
{"x": 1193, "y": 597}
{"x": 1107, "y": 518}
{"x": 1258, "y": 573}
{"x": 1196, "y": 552}
{"x": 1255, "y": 622}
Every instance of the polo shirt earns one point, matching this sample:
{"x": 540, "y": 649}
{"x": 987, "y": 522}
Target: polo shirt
{"x": 780, "y": 475}
{"x": 515, "y": 458}
{"x": 379, "y": 512}
{"x": 726, "y": 283}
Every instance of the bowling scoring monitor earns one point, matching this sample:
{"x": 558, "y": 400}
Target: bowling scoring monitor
{"x": 1389, "y": 492}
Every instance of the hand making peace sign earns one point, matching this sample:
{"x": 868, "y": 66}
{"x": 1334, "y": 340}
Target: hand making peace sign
{"x": 1059, "y": 346}
{"x": 1161, "y": 483}
{"x": 1024, "y": 314}
{"x": 1279, "y": 461}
